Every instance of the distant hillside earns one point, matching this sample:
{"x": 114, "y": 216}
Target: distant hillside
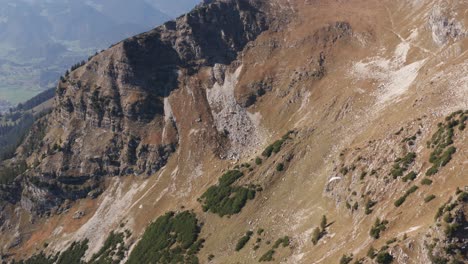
{"x": 15, "y": 124}
{"x": 39, "y": 39}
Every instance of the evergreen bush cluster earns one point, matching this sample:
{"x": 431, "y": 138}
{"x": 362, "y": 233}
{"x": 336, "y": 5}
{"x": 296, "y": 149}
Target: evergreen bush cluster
{"x": 379, "y": 226}
{"x": 402, "y": 199}
{"x": 402, "y": 164}
{"x": 226, "y": 199}
{"x": 276, "y": 146}
{"x": 243, "y": 240}
{"x": 442, "y": 141}
{"x": 172, "y": 238}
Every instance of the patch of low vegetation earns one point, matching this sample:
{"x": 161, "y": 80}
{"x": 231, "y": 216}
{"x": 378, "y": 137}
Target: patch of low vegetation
{"x": 451, "y": 246}
{"x": 371, "y": 252}
{"x": 226, "y": 199}
{"x": 410, "y": 176}
{"x": 316, "y": 235}
{"x": 280, "y": 167}
{"x": 363, "y": 175}
{"x": 268, "y": 256}
{"x": 172, "y": 238}
{"x": 369, "y": 205}
{"x": 243, "y": 240}
{"x": 260, "y": 231}
{"x": 258, "y": 160}
{"x": 401, "y": 165}
{"x": 284, "y": 241}
{"x": 429, "y": 198}
{"x": 321, "y": 231}
{"x": 426, "y": 181}
{"x": 211, "y": 257}
{"x": 40, "y": 258}
{"x": 346, "y": 259}
{"x": 112, "y": 251}
{"x": 442, "y": 141}
{"x": 384, "y": 258}
{"x": 402, "y": 199}
{"x": 378, "y": 227}
{"x": 73, "y": 254}
{"x": 276, "y": 146}
{"x": 463, "y": 197}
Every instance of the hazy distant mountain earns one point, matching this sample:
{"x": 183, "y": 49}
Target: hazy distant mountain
{"x": 173, "y": 8}
{"x": 39, "y": 39}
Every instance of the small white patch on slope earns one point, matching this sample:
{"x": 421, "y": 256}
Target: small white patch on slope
{"x": 113, "y": 208}
{"x": 394, "y": 75}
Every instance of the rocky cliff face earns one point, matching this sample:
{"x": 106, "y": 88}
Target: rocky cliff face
{"x": 259, "y": 116}
{"x": 113, "y": 116}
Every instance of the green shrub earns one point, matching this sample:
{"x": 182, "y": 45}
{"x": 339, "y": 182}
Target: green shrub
{"x": 368, "y": 207}
{"x": 402, "y": 199}
{"x": 344, "y": 170}
{"x": 348, "y": 205}
{"x": 439, "y": 212}
{"x": 402, "y": 164}
{"x": 384, "y": 258}
{"x": 74, "y": 253}
{"x": 426, "y": 181}
{"x": 40, "y": 258}
{"x": 276, "y": 146}
{"x": 451, "y": 229}
{"x": 243, "y": 240}
{"x": 284, "y": 241}
{"x": 448, "y": 218}
{"x": 224, "y": 199}
{"x": 323, "y": 222}
{"x": 441, "y": 142}
{"x": 280, "y": 167}
{"x": 260, "y": 231}
{"x": 429, "y": 198}
{"x": 316, "y": 235}
{"x": 110, "y": 247}
{"x": 379, "y": 226}
{"x": 71, "y": 255}
{"x": 211, "y": 257}
{"x": 432, "y": 171}
{"x": 171, "y": 238}
{"x": 410, "y": 176}
{"x": 346, "y": 259}
{"x": 258, "y": 160}
{"x": 268, "y": 256}
{"x": 230, "y": 177}
{"x": 463, "y": 197}
{"x": 371, "y": 252}
{"x": 363, "y": 175}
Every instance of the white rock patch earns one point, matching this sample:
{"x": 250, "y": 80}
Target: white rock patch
{"x": 394, "y": 75}
{"x": 113, "y": 207}
{"x": 241, "y": 127}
